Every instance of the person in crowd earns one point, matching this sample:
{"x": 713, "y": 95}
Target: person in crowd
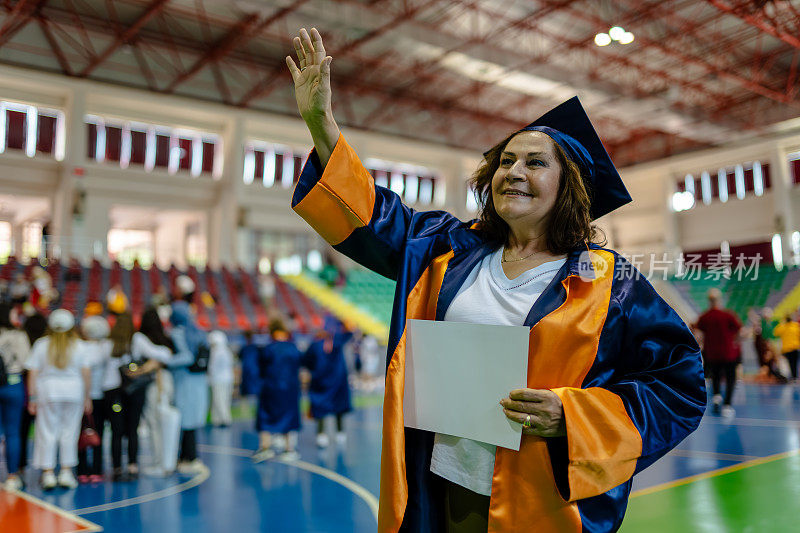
{"x": 96, "y": 350}
{"x": 42, "y": 292}
{"x": 130, "y": 369}
{"x": 763, "y": 327}
{"x": 14, "y": 351}
{"x": 20, "y": 289}
{"x": 220, "y": 376}
{"x": 116, "y": 300}
{"x": 720, "y": 329}
{"x": 189, "y": 368}
{"x": 329, "y": 390}
{"x": 606, "y": 350}
{"x": 279, "y": 399}
{"x": 158, "y": 411}
{"x": 35, "y": 327}
{"x": 370, "y": 352}
{"x": 789, "y": 333}
{"x": 59, "y": 382}
{"x": 250, "y": 384}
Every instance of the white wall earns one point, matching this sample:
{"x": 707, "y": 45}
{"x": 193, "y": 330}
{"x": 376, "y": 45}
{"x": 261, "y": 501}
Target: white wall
{"x": 232, "y": 209}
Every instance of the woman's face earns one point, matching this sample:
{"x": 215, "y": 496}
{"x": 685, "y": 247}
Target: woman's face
{"x": 525, "y": 185}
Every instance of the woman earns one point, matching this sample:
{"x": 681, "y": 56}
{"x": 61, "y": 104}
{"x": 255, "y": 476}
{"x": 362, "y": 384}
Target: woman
{"x": 159, "y": 398}
{"x": 220, "y": 377}
{"x": 191, "y": 381}
{"x": 329, "y": 390}
{"x": 58, "y": 384}
{"x": 35, "y": 327}
{"x": 14, "y": 351}
{"x": 96, "y": 349}
{"x": 614, "y": 376}
{"x": 134, "y": 359}
{"x": 788, "y": 332}
{"x": 279, "y": 399}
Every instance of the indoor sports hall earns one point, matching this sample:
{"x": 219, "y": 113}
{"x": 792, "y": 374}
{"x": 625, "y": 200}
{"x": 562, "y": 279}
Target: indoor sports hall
{"x": 269, "y": 265}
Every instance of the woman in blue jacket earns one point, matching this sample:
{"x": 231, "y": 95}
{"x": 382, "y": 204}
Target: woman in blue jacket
{"x": 191, "y": 384}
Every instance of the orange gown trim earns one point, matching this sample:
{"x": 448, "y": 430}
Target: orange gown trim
{"x": 343, "y": 198}
{"x": 421, "y": 304}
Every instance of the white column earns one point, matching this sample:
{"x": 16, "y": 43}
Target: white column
{"x": 93, "y": 243}
{"x": 672, "y": 234}
{"x": 169, "y": 241}
{"x": 223, "y": 215}
{"x": 782, "y": 187}
{"x": 74, "y": 157}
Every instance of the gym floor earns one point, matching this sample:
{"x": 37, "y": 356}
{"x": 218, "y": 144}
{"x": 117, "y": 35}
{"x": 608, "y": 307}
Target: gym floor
{"x": 733, "y": 475}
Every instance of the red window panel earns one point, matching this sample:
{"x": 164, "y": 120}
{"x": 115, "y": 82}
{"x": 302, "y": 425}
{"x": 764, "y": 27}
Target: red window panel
{"x": 731, "y": 177}
{"x": 91, "y": 140}
{"x": 185, "y": 161}
{"x": 278, "y": 172}
{"x": 749, "y": 181}
{"x": 298, "y": 167}
{"x": 698, "y": 189}
{"x": 795, "y": 168}
{"x": 765, "y": 176}
{"x": 259, "y": 166}
{"x": 113, "y": 143}
{"x": 680, "y": 185}
{"x": 138, "y": 147}
{"x": 15, "y": 129}
{"x": 162, "y": 150}
{"x": 46, "y": 134}
{"x": 749, "y": 252}
{"x": 381, "y": 178}
{"x": 208, "y": 157}
{"x": 714, "y": 185}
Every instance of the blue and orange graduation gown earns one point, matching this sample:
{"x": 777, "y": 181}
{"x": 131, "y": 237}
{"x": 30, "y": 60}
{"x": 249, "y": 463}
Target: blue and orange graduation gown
{"x": 279, "y": 399}
{"x": 329, "y": 390}
{"x": 625, "y": 366}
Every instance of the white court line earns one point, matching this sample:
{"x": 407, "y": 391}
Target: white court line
{"x": 69, "y": 515}
{"x": 348, "y": 483}
{"x": 145, "y": 498}
{"x": 698, "y": 454}
{"x": 756, "y": 422}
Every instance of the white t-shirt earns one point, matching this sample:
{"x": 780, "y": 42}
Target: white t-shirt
{"x": 58, "y": 384}
{"x": 487, "y": 296}
{"x": 141, "y": 348}
{"x": 220, "y": 365}
{"x": 97, "y": 353}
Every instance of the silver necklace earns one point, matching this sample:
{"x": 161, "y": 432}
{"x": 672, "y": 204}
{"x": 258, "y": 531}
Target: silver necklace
{"x": 504, "y": 260}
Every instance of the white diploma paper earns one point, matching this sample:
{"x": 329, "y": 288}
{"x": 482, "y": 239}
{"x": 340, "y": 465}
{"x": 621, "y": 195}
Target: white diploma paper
{"x": 456, "y": 374}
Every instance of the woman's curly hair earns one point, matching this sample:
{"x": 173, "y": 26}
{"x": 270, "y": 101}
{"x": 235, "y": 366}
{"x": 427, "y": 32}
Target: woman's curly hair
{"x": 569, "y": 222}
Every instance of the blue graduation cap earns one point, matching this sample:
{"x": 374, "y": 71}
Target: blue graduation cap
{"x": 569, "y": 126}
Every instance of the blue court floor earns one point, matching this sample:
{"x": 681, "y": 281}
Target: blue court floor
{"x": 335, "y": 489}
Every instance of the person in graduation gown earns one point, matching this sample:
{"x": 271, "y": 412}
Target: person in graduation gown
{"x": 329, "y": 389}
{"x": 279, "y": 399}
{"x": 614, "y": 379}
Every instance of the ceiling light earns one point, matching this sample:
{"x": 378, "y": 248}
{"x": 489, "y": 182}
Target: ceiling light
{"x": 602, "y": 39}
{"x": 616, "y": 33}
{"x": 627, "y": 38}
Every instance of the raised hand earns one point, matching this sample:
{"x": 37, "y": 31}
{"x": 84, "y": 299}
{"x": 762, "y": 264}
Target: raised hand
{"x": 312, "y": 89}
{"x": 312, "y": 80}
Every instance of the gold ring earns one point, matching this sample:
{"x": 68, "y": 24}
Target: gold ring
{"x": 527, "y": 423}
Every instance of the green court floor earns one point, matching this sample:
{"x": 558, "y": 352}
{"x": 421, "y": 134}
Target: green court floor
{"x": 759, "y": 496}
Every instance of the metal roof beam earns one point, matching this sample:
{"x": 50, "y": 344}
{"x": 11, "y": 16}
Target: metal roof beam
{"x": 152, "y": 10}
{"x": 243, "y": 30}
{"x": 266, "y": 85}
{"x": 739, "y": 11}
